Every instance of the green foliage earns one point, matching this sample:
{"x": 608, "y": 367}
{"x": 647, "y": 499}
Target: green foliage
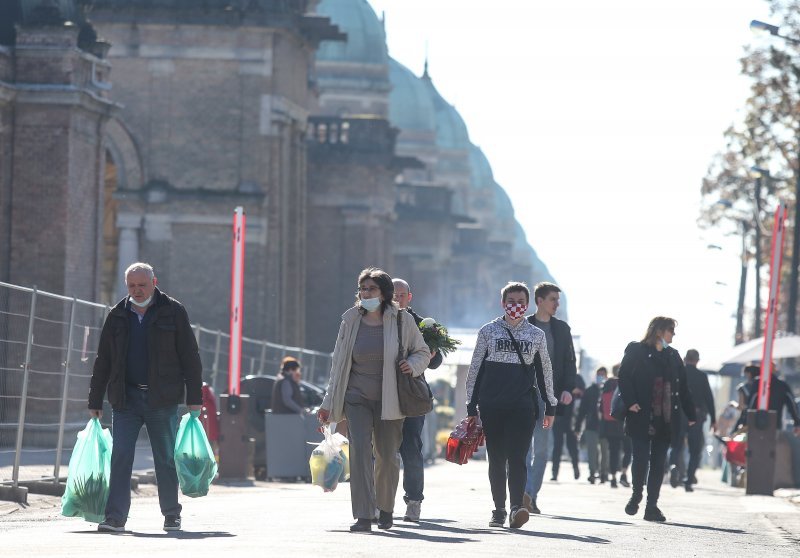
{"x": 436, "y": 337}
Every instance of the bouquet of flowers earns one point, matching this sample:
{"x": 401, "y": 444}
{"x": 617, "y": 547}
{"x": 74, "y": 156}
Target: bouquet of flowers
{"x": 436, "y": 337}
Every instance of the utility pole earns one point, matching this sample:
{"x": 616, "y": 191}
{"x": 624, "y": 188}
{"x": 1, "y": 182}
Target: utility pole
{"x": 758, "y": 316}
{"x": 739, "y": 337}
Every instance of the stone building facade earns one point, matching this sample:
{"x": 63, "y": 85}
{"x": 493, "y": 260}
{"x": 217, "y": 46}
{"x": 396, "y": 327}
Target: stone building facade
{"x": 139, "y": 145}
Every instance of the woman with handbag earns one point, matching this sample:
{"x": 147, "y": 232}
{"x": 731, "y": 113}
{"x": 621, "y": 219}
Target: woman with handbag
{"x": 501, "y": 386}
{"x": 363, "y": 388}
{"x": 652, "y": 383}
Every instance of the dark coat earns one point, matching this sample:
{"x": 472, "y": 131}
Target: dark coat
{"x": 588, "y": 409}
{"x": 701, "y": 392}
{"x": 278, "y": 405}
{"x": 562, "y": 359}
{"x": 637, "y": 373}
{"x": 174, "y": 361}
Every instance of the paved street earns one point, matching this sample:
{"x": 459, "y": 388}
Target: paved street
{"x": 300, "y": 520}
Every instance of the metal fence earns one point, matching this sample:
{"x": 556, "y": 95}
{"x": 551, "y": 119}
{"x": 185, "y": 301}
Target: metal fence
{"x": 47, "y": 348}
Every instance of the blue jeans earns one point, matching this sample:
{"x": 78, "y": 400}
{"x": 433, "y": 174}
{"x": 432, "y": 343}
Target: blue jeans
{"x": 413, "y": 462}
{"x": 536, "y": 459}
{"x": 162, "y": 428}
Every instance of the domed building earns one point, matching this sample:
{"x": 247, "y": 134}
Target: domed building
{"x": 352, "y": 77}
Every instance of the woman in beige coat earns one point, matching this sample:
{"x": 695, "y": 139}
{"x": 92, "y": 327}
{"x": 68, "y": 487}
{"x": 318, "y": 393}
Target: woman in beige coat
{"x": 363, "y": 389}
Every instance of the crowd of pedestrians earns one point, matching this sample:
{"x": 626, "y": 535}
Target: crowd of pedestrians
{"x": 522, "y": 385}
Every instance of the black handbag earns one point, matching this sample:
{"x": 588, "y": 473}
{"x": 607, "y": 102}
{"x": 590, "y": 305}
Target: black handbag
{"x": 413, "y": 393}
{"x": 618, "y": 408}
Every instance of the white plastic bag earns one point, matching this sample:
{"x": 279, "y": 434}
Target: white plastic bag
{"x": 328, "y": 460}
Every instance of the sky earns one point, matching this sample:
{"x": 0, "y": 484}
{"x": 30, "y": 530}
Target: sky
{"x": 600, "y": 120}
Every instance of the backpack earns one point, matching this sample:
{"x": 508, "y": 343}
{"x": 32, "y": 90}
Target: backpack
{"x": 607, "y": 398}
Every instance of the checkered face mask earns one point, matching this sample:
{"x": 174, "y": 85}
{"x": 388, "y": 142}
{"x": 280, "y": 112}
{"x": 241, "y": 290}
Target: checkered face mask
{"x": 516, "y": 311}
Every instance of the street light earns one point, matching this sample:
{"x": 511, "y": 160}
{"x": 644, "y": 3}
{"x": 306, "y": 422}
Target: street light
{"x": 759, "y": 173}
{"x": 763, "y": 27}
{"x": 791, "y": 310}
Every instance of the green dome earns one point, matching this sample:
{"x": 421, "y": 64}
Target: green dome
{"x": 366, "y": 38}
{"x": 451, "y": 131}
{"x": 410, "y": 105}
{"x": 480, "y": 169}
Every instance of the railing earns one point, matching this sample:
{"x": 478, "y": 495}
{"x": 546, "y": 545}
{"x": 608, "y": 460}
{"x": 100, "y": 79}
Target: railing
{"x": 47, "y": 348}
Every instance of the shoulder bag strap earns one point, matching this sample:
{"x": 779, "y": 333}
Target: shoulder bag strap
{"x": 400, "y": 351}
{"x": 521, "y": 359}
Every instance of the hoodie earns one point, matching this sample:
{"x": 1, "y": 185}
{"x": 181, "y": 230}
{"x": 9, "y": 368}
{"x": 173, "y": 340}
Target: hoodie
{"x": 497, "y": 379}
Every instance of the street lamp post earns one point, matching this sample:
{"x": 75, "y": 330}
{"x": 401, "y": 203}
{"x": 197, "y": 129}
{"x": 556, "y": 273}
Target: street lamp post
{"x": 757, "y": 325}
{"x": 739, "y": 337}
{"x": 791, "y": 310}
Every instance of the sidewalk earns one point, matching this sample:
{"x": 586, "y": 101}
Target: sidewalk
{"x": 286, "y": 519}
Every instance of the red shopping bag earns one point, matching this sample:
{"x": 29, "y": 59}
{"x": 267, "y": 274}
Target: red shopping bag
{"x": 735, "y": 449}
{"x": 464, "y": 440}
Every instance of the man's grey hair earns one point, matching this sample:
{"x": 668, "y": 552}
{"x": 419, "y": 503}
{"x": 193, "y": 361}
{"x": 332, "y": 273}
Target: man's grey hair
{"x": 140, "y": 266}
{"x": 402, "y": 283}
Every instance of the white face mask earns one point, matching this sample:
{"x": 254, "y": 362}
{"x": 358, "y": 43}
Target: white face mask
{"x": 142, "y": 304}
{"x": 664, "y": 344}
{"x": 370, "y": 304}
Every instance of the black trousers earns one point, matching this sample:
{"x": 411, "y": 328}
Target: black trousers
{"x": 697, "y": 440}
{"x": 627, "y": 452}
{"x": 614, "y": 452}
{"x": 508, "y": 437}
{"x": 562, "y": 428}
{"x": 649, "y": 453}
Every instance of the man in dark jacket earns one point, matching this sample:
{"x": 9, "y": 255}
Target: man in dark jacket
{"x": 703, "y": 398}
{"x": 411, "y": 447}
{"x": 147, "y": 359}
{"x": 286, "y": 396}
{"x": 588, "y": 411}
{"x": 780, "y": 398}
{"x": 547, "y": 297}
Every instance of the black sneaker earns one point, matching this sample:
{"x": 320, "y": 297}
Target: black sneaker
{"x": 534, "y": 507}
{"x": 633, "y": 504}
{"x": 652, "y": 513}
{"x": 111, "y": 525}
{"x": 519, "y": 517}
{"x": 361, "y": 526}
{"x": 623, "y": 480}
{"x": 172, "y": 523}
{"x": 592, "y": 479}
{"x": 688, "y": 487}
{"x": 674, "y": 481}
{"x": 613, "y": 482}
{"x": 385, "y": 520}
{"x": 576, "y": 470}
{"x": 498, "y": 518}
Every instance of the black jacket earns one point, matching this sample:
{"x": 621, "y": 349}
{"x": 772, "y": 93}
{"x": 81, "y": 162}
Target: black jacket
{"x": 780, "y": 396}
{"x": 637, "y": 373}
{"x": 174, "y": 367}
{"x": 701, "y": 393}
{"x": 278, "y": 405}
{"x": 436, "y": 359}
{"x": 588, "y": 408}
{"x": 562, "y": 359}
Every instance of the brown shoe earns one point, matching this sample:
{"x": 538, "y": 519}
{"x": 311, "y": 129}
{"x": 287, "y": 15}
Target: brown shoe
{"x": 518, "y": 518}
{"x": 527, "y": 502}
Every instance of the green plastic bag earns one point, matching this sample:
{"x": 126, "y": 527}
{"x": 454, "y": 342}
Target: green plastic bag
{"x": 194, "y": 458}
{"x": 87, "y": 488}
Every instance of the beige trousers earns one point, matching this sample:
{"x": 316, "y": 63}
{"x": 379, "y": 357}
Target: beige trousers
{"x": 374, "y": 464}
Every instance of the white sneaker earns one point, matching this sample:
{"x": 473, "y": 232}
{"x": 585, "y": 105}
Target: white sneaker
{"x": 412, "y": 510}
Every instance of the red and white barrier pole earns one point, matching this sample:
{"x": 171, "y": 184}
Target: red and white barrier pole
{"x": 771, "y": 315}
{"x": 237, "y": 296}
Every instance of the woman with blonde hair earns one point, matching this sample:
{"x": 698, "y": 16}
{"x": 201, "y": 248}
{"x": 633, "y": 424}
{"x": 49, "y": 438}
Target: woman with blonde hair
{"x": 363, "y": 389}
